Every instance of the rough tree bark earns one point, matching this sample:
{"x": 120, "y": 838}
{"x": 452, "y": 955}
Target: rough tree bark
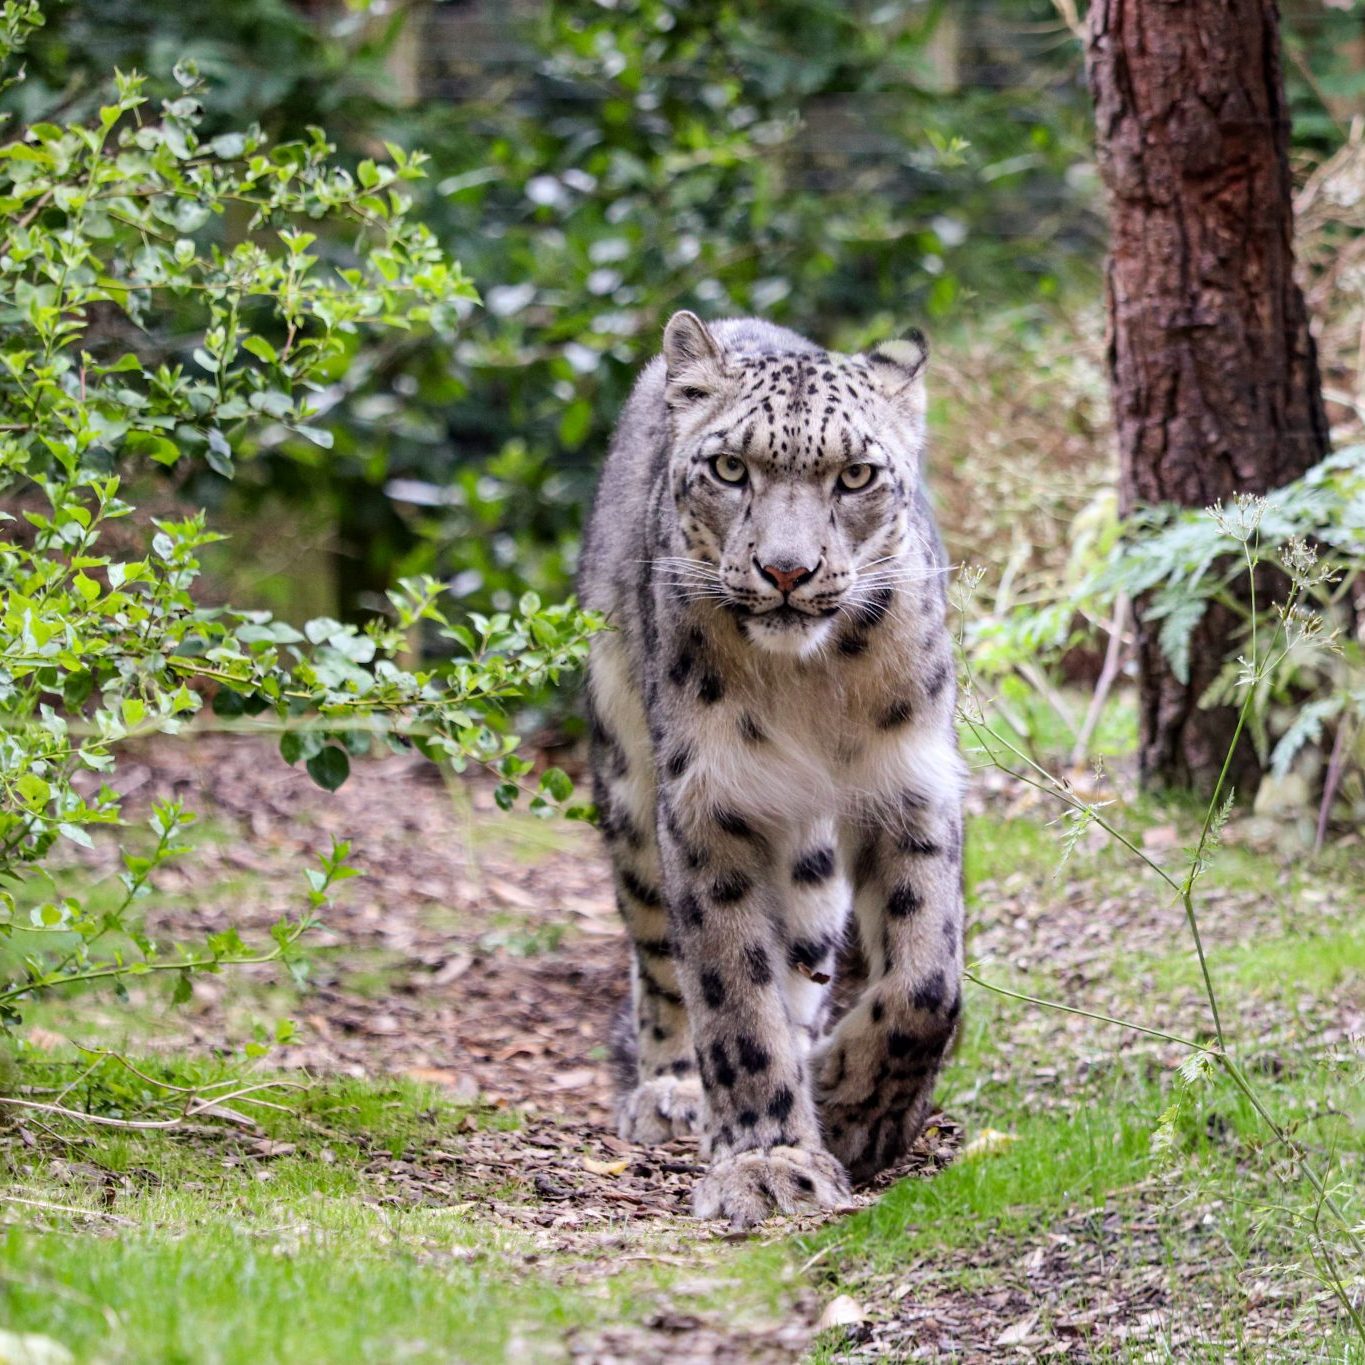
{"x": 1212, "y": 368}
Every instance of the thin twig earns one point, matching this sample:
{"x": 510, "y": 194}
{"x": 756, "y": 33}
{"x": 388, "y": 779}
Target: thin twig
{"x": 1331, "y": 782}
{"x": 1113, "y": 661}
{"x": 1090, "y": 1014}
{"x": 195, "y": 1105}
{"x": 66, "y": 1208}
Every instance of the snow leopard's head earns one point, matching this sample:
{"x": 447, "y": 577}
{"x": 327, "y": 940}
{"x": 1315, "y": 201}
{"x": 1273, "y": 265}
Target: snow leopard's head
{"x": 794, "y": 475}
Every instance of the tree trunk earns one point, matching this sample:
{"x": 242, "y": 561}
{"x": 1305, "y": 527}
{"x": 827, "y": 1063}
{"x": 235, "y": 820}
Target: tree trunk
{"x": 1213, "y": 372}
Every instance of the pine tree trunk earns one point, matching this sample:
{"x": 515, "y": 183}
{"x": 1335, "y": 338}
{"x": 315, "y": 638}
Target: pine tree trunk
{"x": 1213, "y": 372}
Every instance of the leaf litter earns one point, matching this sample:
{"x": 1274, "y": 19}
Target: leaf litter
{"x": 484, "y": 957}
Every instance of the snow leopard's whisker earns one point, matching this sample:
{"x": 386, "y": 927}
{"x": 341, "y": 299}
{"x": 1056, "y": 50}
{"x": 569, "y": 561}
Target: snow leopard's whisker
{"x": 875, "y": 590}
{"x": 908, "y": 571}
{"x": 670, "y": 571}
{"x": 714, "y": 584}
{"x": 681, "y": 562}
{"x": 691, "y": 582}
{"x": 891, "y": 581}
{"x": 706, "y": 589}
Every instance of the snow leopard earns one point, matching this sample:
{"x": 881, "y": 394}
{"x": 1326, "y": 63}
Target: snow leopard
{"x": 774, "y": 757}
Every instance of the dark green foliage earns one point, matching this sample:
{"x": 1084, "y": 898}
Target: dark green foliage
{"x": 848, "y": 170}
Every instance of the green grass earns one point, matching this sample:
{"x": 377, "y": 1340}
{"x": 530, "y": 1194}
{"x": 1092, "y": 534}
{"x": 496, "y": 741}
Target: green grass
{"x": 1054, "y": 1162}
{"x": 301, "y": 1268}
{"x": 993, "y": 849}
{"x": 517, "y": 834}
{"x": 1309, "y": 960}
{"x": 318, "y": 1254}
{"x": 1034, "y": 726}
{"x": 1083, "y": 1140}
{"x": 200, "y": 1251}
{"x": 1090, "y": 1151}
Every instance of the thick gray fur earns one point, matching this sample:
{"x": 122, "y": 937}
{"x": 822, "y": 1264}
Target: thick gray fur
{"x": 774, "y": 756}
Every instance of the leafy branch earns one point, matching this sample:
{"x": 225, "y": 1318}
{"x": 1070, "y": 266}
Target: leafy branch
{"x": 166, "y": 298}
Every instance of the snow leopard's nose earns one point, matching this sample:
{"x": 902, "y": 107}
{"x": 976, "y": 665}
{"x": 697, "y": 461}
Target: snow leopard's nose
{"x": 785, "y": 574}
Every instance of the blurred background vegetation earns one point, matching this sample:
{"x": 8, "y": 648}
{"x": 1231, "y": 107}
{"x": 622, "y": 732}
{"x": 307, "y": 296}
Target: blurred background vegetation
{"x": 848, "y": 169}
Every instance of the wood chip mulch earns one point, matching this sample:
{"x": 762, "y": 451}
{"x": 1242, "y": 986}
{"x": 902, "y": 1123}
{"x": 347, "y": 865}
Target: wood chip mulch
{"x": 488, "y": 961}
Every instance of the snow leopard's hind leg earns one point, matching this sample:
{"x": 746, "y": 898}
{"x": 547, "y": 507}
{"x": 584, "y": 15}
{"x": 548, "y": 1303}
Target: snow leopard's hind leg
{"x": 659, "y": 1095}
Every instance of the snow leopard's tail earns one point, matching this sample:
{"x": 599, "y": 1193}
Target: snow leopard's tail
{"x": 623, "y": 1045}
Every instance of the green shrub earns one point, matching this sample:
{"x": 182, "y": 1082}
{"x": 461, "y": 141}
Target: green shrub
{"x": 1173, "y": 562}
{"x": 161, "y": 303}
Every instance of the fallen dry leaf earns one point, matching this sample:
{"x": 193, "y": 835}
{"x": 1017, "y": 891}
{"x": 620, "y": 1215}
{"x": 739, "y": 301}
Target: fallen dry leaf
{"x": 267, "y": 1147}
{"x": 843, "y": 1311}
{"x": 576, "y": 1079}
{"x": 1017, "y": 1332}
{"x": 988, "y": 1142}
{"x": 431, "y": 1075}
{"x": 595, "y": 1167}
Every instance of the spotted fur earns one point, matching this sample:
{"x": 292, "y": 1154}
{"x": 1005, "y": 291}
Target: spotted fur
{"x": 774, "y": 756}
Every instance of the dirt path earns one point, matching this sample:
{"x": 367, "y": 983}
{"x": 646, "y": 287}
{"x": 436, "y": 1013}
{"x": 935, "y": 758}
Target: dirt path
{"x": 483, "y": 954}
{"x": 479, "y": 953}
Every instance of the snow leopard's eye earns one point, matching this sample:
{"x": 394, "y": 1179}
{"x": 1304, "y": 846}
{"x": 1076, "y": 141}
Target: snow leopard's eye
{"x": 730, "y": 469}
{"x": 855, "y": 477}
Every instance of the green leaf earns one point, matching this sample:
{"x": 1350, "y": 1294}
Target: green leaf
{"x": 557, "y": 782}
{"x": 297, "y": 744}
{"x": 219, "y": 454}
{"x": 228, "y": 704}
{"x": 575, "y": 424}
{"x": 329, "y": 767}
{"x": 1177, "y": 630}
{"x": 261, "y": 349}
{"x": 77, "y": 689}
{"x": 319, "y": 436}
{"x": 228, "y": 146}
{"x": 155, "y": 447}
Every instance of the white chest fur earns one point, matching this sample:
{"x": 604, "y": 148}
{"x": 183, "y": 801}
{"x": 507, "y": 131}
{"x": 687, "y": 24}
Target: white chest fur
{"x": 787, "y": 765}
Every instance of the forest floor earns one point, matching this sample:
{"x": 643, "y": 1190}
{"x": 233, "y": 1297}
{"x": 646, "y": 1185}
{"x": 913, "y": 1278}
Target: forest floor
{"x": 446, "y": 1183}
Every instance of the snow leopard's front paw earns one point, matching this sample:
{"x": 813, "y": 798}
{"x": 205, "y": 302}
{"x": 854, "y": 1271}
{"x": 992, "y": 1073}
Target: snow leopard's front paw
{"x": 661, "y": 1109}
{"x": 749, "y": 1186}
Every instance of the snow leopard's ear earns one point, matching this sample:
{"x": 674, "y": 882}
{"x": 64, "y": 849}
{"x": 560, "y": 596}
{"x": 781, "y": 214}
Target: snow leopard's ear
{"x": 898, "y": 370}
{"x": 693, "y": 360}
